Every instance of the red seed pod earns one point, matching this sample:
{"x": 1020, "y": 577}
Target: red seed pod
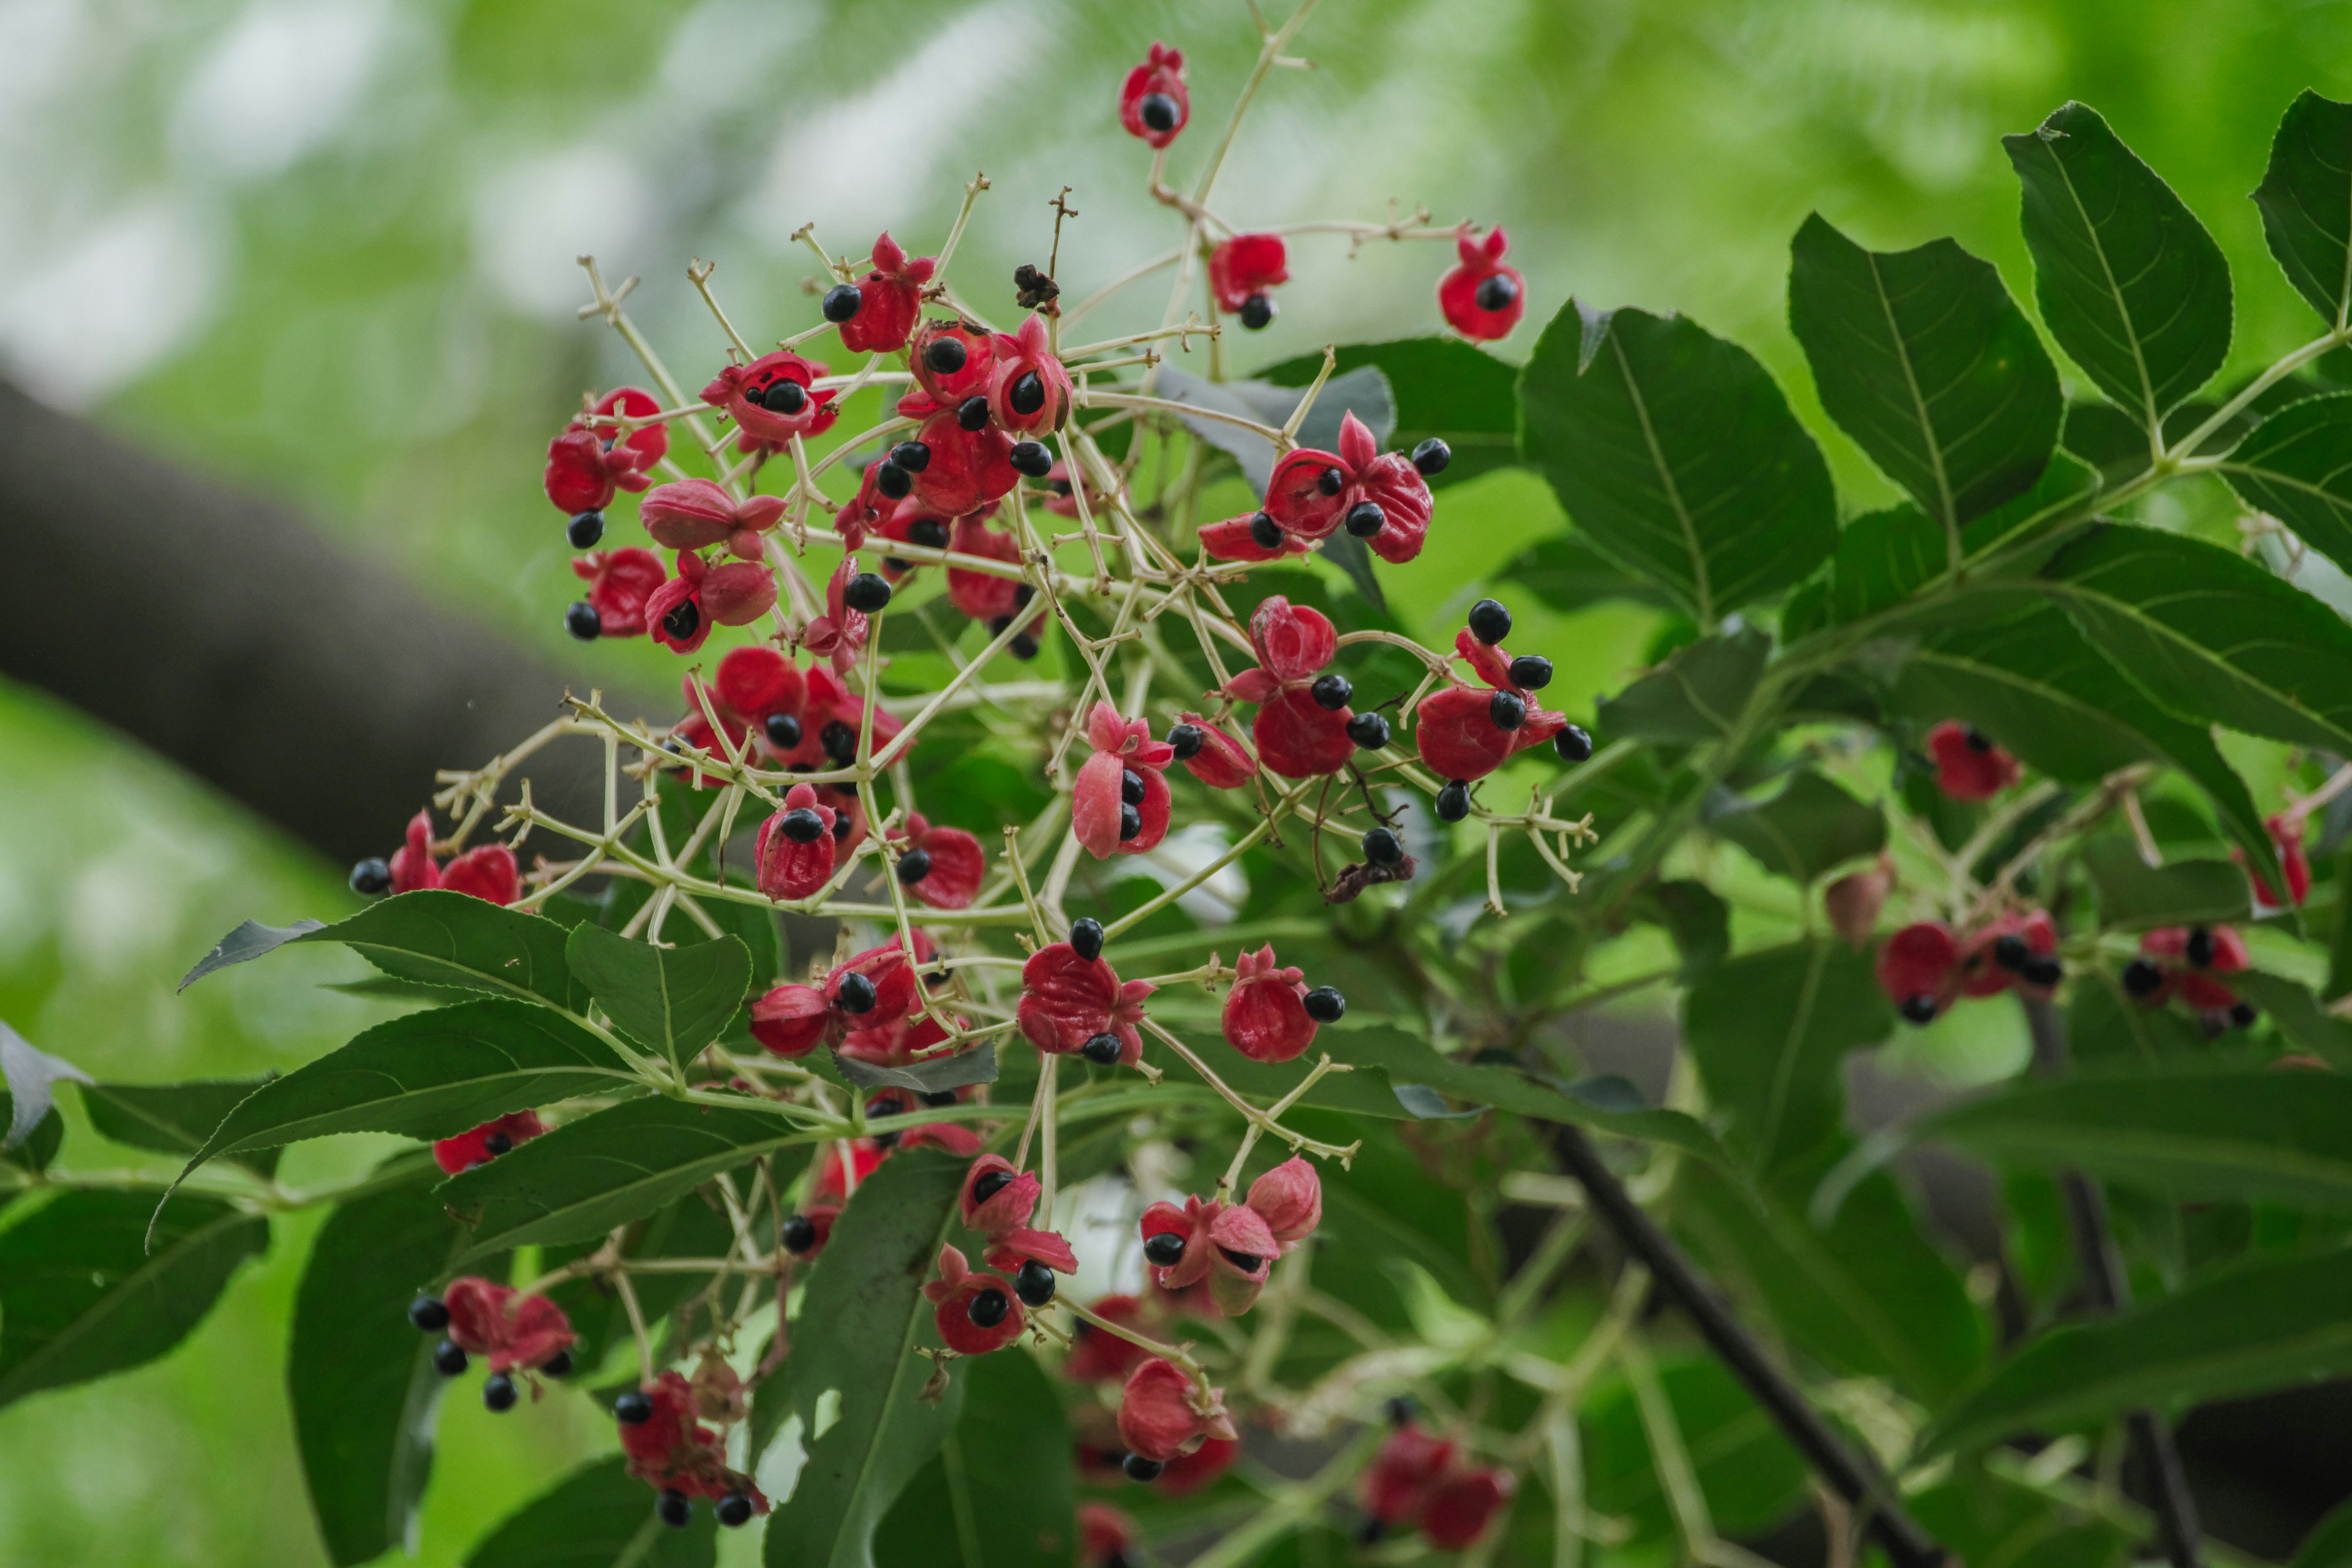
{"x": 1098, "y": 797}
{"x": 1244, "y": 265}
{"x": 734, "y": 594}
{"x": 791, "y": 1020}
{"x": 1188, "y": 1473}
{"x": 1404, "y": 1473}
{"x": 1853, "y": 900}
{"x": 957, "y": 1293}
{"x": 890, "y": 298}
{"x": 1968, "y": 765}
{"x": 671, "y": 1451}
{"x": 983, "y": 596}
{"x": 746, "y": 393}
{"x": 1161, "y": 73}
{"x": 832, "y": 1174}
{"x": 1223, "y": 762}
{"x": 790, "y": 867}
{"x": 1097, "y": 1355}
{"x": 755, "y": 683}
{"x": 619, "y": 583}
{"x": 1472, "y": 302}
{"x": 957, "y": 864}
{"x": 2286, "y": 836}
{"x": 1105, "y": 1535}
{"x": 867, "y": 512}
{"x": 952, "y": 1136}
{"x": 959, "y": 379}
{"x": 1010, "y": 1200}
{"x": 1028, "y": 390}
{"x": 1009, "y": 1249}
{"x": 472, "y": 1148}
{"x": 1227, "y": 1247}
{"x": 1297, "y": 736}
{"x": 1265, "y": 1012}
{"x": 1458, "y": 1512}
{"x": 1919, "y": 961}
{"x": 1289, "y": 1198}
{"x": 488, "y": 873}
{"x": 648, "y": 443}
{"x": 1312, "y": 492}
{"x": 968, "y": 471}
{"x": 2191, "y": 983}
{"x": 896, "y": 1043}
{"x": 1066, "y": 1001}
{"x": 512, "y": 1329}
{"x": 1162, "y": 1413}
{"x": 694, "y": 514}
{"x": 576, "y": 477}
{"x": 1455, "y": 729}
{"x": 1236, "y": 539}
{"x": 1979, "y": 975}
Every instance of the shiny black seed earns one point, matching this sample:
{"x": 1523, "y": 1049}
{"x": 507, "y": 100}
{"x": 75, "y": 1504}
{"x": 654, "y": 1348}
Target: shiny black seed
{"x": 1136, "y": 1467}
{"x": 1382, "y": 848}
{"x": 943, "y": 355}
{"x": 938, "y": 1097}
{"x": 1130, "y": 822}
{"x": 584, "y": 529}
{"x": 498, "y": 1392}
{"x": 1022, "y": 594}
{"x": 911, "y": 456}
{"x": 734, "y": 1511}
{"x": 839, "y": 741}
{"x": 1508, "y": 710}
{"x": 1399, "y": 1409}
{"x": 1489, "y": 622}
{"x": 999, "y": 624}
{"x": 1103, "y": 1050}
{"x": 1919, "y": 1009}
{"x": 1453, "y": 801}
{"x": 1164, "y": 1249}
{"x": 1369, "y": 730}
{"x": 2142, "y": 977}
{"x": 1086, "y": 938}
{"x": 581, "y": 621}
{"x": 893, "y": 481}
{"x": 1031, "y": 457}
{"x": 800, "y": 1235}
{"x": 784, "y": 396}
{"x": 1497, "y": 292}
{"x": 932, "y": 532}
{"x": 557, "y": 1365}
{"x": 840, "y": 825}
{"x": 1531, "y": 672}
{"x": 1365, "y": 519}
{"x": 1330, "y": 481}
{"x": 1432, "y": 457}
{"x": 898, "y": 563}
{"x": 802, "y": 825}
{"x": 1370, "y": 1532}
{"x": 1027, "y": 394}
{"x": 866, "y": 592}
{"x": 988, "y": 1309}
{"x": 2198, "y": 950}
{"x": 972, "y": 412}
{"x": 1130, "y": 786}
{"x": 447, "y": 1359}
{"x": 914, "y": 866}
{"x": 1257, "y": 311}
{"x": 856, "y": 992}
{"x": 1022, "y": 646}
{"x": 682, "y": 619}
{"x": 1325, "y": 1004}
{"x": 2044, "y": 971}
{"x": 1332, "y": 692}
{"x": 1186, "y": 741}
{"x": 633, "y": 1408}
{"x": 1264, "y": 533}
{"x": 1245, "y": 1262}
{"x": 1034, "y": 1284}
{"x": 1158, "y": 111}
{"x": 429, "y": 1313}
{"x": 989, "y": 1185}
{"x": 496, "y": 1144}
{"x": 675, "y": 1510}
{"x": 1977, "y": 740}
{"x": 1573, "y": 743}
{"x": 2242, "y": 1015}
{"x": 841, "y": 302}
{"x": 784, "y": 732}
{"x": 2011, "y": 952}
{"x": 888, "y": 1103}
{"x": 372, "y": 877}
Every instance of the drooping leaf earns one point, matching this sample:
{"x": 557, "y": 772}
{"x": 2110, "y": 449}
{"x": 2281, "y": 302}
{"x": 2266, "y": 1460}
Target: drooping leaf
{"x": 605, "y": 1170}
{"x": 433, "y": 936}
{"x": 2136, "y": 896}
{"x": 2266, "y": 1324}
{"x": 1923, "y": 358}
{"x": 998, "y": 1495}
{"x": 600, "y": 1517}
{"x": 82, "y": 1296}
{"x": 2305, "y": 198}
{"x": 1442, "y": 387}
{"x": 1695, "y": 696}
{"x": 932, "y": 1077}
{"x": 2297, "y": 467}
{"x": 30, "y": 1076}
{"x": 173, "y": 1118}
{"x": 674, "y": 1000}
{"x": 1805, "y": 830}
{"x": 40, "y": 1145}
{"x": 855, "y": 1340}
{"x": 249, "y": 941}
{"x": 2130, "y": 284}
{"x": 1674, "y": 453}
{"x": 360, "y": 1375}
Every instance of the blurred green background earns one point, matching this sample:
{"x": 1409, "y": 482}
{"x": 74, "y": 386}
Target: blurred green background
{"x": 326, "y": 249}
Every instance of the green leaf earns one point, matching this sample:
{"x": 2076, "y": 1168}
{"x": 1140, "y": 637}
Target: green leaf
{"x": 1923, "y": 358}
{"x": 1771, "y": 1032}
{"x": 1883, "y": 559}
{"x": 2305, "y": 199}
{"x": 998, "y": 1495}
{"x": 1569, "y": 576}
{"x": 601, "y": 1517}
{"x": 248, "y": 941}
{"x": 2300, "y": 1018}
{"x": 932, "y": 1077}
{"x": 428, "y": 1075}
{"x": 171, "y": 1118}
{"x": 1808, "y": 829}
{"x": 2210, "y": 635}
{"x": 2066, "y": 493}
{"x": 1443, "y": 387}
{"x": 605, "y": 1170}
{"x": 674, "y": 1000}
{"x": 1692, "y": 913}
{"x": 2273, "y": 1323}
{"x": 1750, "y": 1474}
{"x": 81, "y": 1295}
{"x": 435, "y": 936}
{"x": 1984, "y": 1519}
{"x": 860, "y": 1322}
{"x": 360, "y": 1375}
{"x": 1676, "y": 454}
{"x": 1695, "y": 696}
{"x": 41, "y": 1145}
{"x": 2136, "y": 896}
{"x": 2294, "y": 467}
{"x": 2329, "y": 1544}
{"x": 2129, "y": 283}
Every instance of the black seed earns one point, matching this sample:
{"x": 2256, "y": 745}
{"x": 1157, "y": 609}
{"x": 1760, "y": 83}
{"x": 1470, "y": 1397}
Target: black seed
{"x": 1332, "y": 692}
{"x": 1116, "y": 1559}
{"x": 839, "y": 741}
{"x": 1060, "y": 487}
{"x": 1159, "y": 112}
{"x": 1330, "y": 481}
{"x": 972, "y": 412}
{"x": 1531, "y": 672}
{"x": 447, "y": 1359}
{"x": 1022, "y": 646}
{"x": 1919, "y": 1009}
{"x": 1453, "y": 801}
{"x": 1027, "y": 394}
{"x": 429, "y": 1313}
{"x": 1034, "y": 1284}
{"x": 944, "y": 355}
{"x": 840, "y": 825}
{"x": 1130, "y": 822}
{"x": 2043, "y": 972}
{"x": 989, "y": 1309}
{"x": 1573, "y": 743}
{"x": 498, "y": 1392}
{"x": 856, "y": 994}
{"x": 800, "y": 1235}
{"x": 1369, "y": 1532}
{"x": 734, "y": 1511}
{"x": 892, "y": 481}
{"x": 1399, "y": 1409}
{"x": 683, "y": 617}
{"x": 802, "y": 825}
{"x": 784, "y": 396}
{"x": 841, "y": 302}
{"x": 1325, "y": 1004}
{"x": 496, "y": 1144}
{"x": 1186, "y": 741}
{"x": 784, "y": 732}
{"x": 935, "y": 979}
{"x": 1257, "y": 311}
{"x": 914, "y": 866}
{"x": 633, "y": 1408}
{"x": 1497, "y": 292}
{"x": 1031, "y": 457}
{"x": 930, "y": 533}
{"x": 938, "y": 1097}
{"x": 2198, "y": 949}
{"x": 1382, "y": 848}
{"x": 372, "y": 877}
{"x": 2142, "y": 977}
{"x": 889, "y": 1103}
{"x": 998, "y": 626}
{"x": 989, "y": 1185}
{"x": 584, "y": 529}
{"x": 1432, "y": 457}
{"x": 1164, "y": 1249}
{"x": 885, "y": 1139}
{"x": 1489, "y": 622}
{"x": 1130, "y": 786}
{"x": 2242, "y": 1015}
{"x": 1369, "y": 730}
{"x": 1244, "y": 1261}
{"x": 581, "y": 621}
{"x": 911, "y": 456}
{"x": 1508, "y": 710}
{"x": 866, "y": 592}
{"x": 898, "y": 564}
{"x": 1264, "y": 533}
{"x": 1365, "y": 519}
{"x": 1022, "y": 594}
{"x": 1103, "y": 1050}
{"x": 1086, "y": 938}
{"x": 557, "y": 1365}
{"x": 2011, "y": 952}
{"x": 1139, "y": 1468}
{"x": 675, "y": 1509}
{"x": 1977, "y": 740}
